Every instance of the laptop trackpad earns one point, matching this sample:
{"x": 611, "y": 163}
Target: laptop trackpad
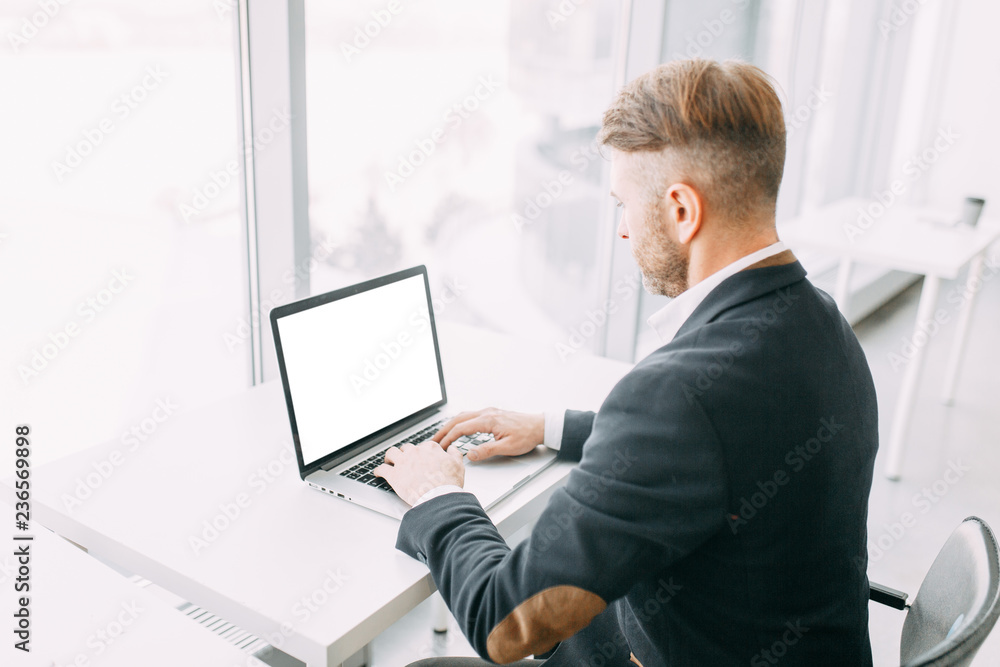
{"x": 494, "y": 477}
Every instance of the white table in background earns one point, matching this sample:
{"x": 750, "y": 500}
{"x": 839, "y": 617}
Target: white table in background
{"x": 85, "y": 613}
{"x": 315, "y": 576}
{"x": 904, "y": 238}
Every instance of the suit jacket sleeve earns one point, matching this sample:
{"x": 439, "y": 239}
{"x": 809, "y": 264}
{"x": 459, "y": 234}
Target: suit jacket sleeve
{"x": 650, "y": 488}
{"x": 576, "y": 429}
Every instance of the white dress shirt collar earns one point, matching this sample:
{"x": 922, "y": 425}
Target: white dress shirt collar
{"x": 668, "y": 320}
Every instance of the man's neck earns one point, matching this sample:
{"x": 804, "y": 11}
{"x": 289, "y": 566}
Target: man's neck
{"x": 707, "y": 261}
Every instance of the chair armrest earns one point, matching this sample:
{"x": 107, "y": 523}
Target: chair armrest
{"x": 890, "y": 597}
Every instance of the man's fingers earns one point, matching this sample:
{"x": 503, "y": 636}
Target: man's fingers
{"x": 484, "y": 451}
{"x": 385, "y": 471}
{"x": 391, "y": 454}
{"x": 450, "y": 424}
{"x": 477, "y": 425}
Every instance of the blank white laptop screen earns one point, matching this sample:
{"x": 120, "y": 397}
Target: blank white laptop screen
{"x": 359, "y": 364}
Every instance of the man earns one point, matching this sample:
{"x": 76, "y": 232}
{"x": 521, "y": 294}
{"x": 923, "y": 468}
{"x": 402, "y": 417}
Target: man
{"x": 718, "y": 512}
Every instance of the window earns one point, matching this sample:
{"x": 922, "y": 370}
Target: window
{"x": 120, "y": 244}
{"x": 461, "y": 136}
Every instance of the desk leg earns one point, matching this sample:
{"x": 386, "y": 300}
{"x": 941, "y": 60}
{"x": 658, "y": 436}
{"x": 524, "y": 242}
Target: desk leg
{"x": 363, "y": 658}
{"x": 842, "y": 293}
{"x": 440, "y": 612}
{"x": 958, "y": 348}
{"x": 911, "y": 378}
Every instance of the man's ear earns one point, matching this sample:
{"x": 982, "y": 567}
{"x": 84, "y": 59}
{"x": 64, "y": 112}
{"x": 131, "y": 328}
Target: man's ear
{"x": 685, "y": 207}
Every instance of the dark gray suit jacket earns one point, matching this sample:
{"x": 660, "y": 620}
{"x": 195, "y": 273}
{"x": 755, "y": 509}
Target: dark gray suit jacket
{"x": 718, "y": 512}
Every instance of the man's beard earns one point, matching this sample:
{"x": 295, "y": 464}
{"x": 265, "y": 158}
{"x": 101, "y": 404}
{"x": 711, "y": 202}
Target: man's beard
{"x": 663, "y": 261}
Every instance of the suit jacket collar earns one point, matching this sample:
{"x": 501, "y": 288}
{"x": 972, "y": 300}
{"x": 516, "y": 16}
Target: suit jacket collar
{"x": 740, "y": 288}
{"x": 668, "y": 320}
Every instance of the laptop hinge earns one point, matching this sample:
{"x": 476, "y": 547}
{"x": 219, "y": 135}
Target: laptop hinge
{"x": 354, "y": 451}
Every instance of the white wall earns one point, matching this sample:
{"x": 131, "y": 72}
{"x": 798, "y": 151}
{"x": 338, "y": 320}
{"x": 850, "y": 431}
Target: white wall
{"x": 969, "y": 104}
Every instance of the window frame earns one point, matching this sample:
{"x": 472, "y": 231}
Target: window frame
{"x": 275, "y": 197}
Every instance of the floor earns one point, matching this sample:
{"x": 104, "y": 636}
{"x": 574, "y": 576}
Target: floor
{"x": 966, "y": 435}
{"x": 412, "y": 638}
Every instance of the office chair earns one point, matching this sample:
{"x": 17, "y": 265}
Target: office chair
{"x": 957, "y": 604}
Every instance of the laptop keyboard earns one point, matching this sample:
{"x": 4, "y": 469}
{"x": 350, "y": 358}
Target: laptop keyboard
{"x": 362, "y": 471}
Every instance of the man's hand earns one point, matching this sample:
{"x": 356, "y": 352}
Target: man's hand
{"x": 413, "y": 470}
{"x": 514, "y": 433}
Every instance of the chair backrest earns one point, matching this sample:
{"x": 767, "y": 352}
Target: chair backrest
{"x": 958, "y": 602}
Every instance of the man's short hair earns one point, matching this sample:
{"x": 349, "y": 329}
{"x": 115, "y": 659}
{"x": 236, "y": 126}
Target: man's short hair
{"x": 719, "y": 126}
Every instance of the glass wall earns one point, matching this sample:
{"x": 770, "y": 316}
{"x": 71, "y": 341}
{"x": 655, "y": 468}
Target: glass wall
{"x": 461, "y": 135}
{"x": 121, "y": 252}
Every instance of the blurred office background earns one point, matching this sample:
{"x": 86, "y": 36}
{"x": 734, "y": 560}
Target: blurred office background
{"x": 510, "y": 209}
{"x": 457, "y": 135}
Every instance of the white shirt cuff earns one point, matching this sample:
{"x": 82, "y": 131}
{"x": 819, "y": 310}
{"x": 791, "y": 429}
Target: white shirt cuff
{"x": 554, "y": 421}
{"x": 438, "y": 491}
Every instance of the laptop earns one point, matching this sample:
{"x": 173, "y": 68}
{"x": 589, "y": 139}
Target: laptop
{"x": 361, "y": 369}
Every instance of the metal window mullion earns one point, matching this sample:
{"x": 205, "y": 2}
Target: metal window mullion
{"x": 248, "y": 192}
{"x": 643, "y": 40}
{"x": 276, "y": 179}
{"x": 607, "y": 222}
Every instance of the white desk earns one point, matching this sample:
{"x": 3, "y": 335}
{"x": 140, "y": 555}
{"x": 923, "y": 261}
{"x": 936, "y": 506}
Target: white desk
{"x": 317, "y": 577}
{"x": 903, "y": 238}
{"x": 85, "y": 613}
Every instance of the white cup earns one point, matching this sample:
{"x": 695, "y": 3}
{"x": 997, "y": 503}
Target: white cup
{"x": 971, "y": 209}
